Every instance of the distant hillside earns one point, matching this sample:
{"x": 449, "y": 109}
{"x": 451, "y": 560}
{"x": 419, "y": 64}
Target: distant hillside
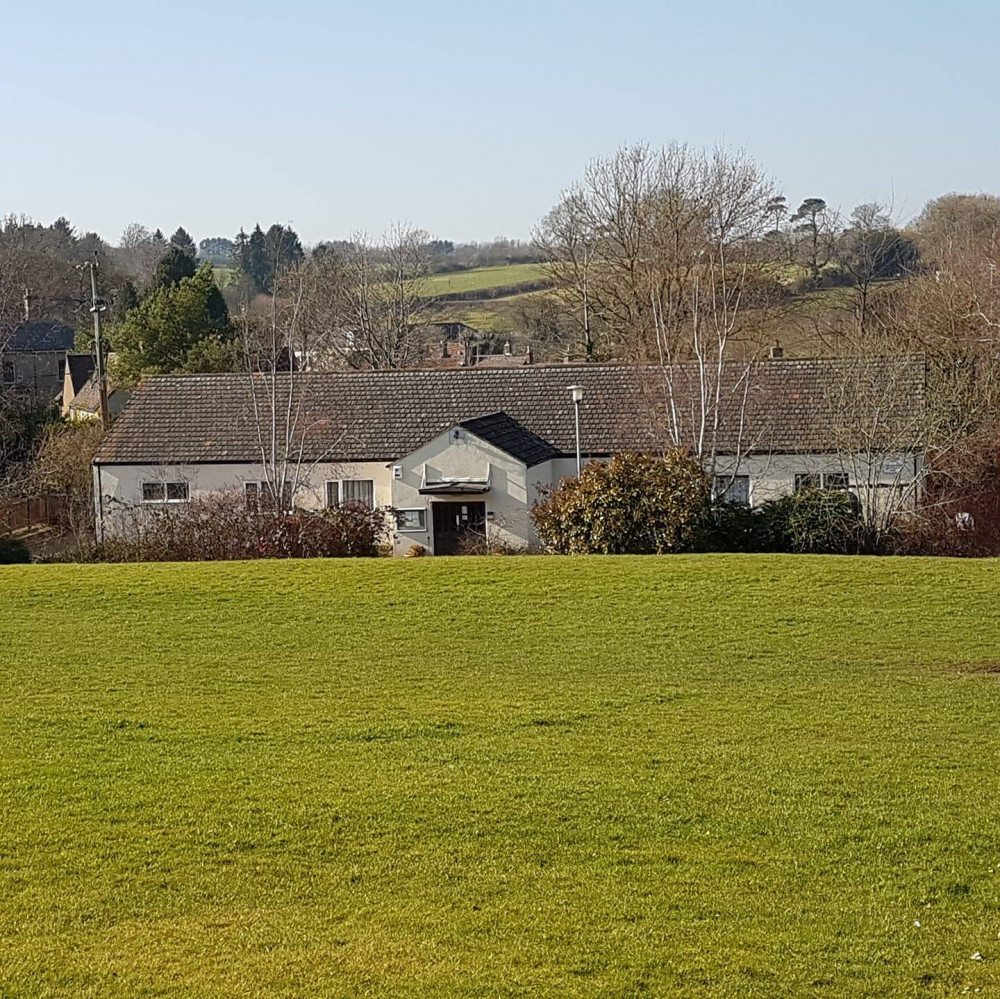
{"x": 487, "y": 282}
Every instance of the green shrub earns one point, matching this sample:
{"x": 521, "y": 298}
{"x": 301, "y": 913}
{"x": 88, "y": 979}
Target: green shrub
{"x": 732, "y": 527}
{"x": 13, "y": 551}
{"x": 633, "y": 505}
{"x": 817, "y": 521}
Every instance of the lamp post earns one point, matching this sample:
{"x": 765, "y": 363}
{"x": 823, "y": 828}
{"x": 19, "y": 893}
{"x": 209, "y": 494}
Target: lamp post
{"x": 577, "y": 393}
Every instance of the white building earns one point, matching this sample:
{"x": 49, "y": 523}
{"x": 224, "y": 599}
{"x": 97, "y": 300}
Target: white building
{"x": 461, "y": 453}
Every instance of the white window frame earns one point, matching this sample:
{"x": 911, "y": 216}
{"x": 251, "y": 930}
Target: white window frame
{"x": 422, "y": 510}
{"x": 164, "y": 499}
{"x": 336, "y": 486}
{"x": 822, "y": 481}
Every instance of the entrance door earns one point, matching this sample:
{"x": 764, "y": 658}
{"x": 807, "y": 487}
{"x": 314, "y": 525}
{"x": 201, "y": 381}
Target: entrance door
{"x": 454, "y": 522}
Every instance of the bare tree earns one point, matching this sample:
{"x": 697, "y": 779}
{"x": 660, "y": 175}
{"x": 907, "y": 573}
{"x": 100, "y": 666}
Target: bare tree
{"x": 882, "y": 427}
{"x": 569, "y": 242}
{"x": 871, "y": 250}
{"x": 367, "y": 303}
{"x": 666, "y": 249}
{"x": 139, "y": 251}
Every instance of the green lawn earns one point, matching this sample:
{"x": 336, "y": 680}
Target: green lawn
{"x": 616, "y": 778}
{"x": 482, "y": 278}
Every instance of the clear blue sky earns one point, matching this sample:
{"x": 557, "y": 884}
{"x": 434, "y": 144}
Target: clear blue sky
{"x": 467, "y": 119}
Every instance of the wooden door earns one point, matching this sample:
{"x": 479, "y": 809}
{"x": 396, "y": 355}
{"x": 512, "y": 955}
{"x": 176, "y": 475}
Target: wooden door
{"x": 454, "y": 522}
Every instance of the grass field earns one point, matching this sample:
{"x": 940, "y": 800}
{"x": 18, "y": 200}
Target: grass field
{"x": 482, "y": 279}
{"x": 616, "y": 778}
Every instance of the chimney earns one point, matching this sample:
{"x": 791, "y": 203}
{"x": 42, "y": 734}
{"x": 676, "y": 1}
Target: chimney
{"x": 444, "y": 349}
{"x": 506, "y": 348}
{"x": 777, "y": 351}
{"x": 27, "y": 305}
{"x": 528, "y": 356}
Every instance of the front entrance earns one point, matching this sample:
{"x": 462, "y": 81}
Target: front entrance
{"x": 455, "y": 524}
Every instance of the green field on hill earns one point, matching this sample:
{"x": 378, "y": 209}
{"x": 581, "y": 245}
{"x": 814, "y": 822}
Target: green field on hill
{"x": 482, "y": 279}
{"x": 591, "y": 777}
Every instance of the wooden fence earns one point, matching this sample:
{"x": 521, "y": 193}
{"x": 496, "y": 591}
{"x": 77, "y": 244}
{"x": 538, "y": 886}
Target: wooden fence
{"x": 38, "y": 511}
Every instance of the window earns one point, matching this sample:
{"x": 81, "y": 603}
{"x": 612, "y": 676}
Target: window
{"x": 411, "y": 520}
{"x": 826, "y": 480}
{"x": 165, "y": 492}
{"x": 8, "y": 370}
{"x": 355, "y": 491}
{"x": 177, "y": 492}
{"x": 732, "y": 489}
{"x": 260, "y": 496}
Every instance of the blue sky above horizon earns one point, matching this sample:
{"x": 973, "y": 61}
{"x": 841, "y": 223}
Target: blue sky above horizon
{"x": 469, "y": 119}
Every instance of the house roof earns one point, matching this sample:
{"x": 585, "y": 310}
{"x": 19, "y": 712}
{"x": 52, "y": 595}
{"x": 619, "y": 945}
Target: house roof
{"x": 511, "y": 437}
{"x": 88, "y": 399}
{"x": 787, "y": 405}
{"x": 80, "y": 368}
{"x": 38, "y": 335}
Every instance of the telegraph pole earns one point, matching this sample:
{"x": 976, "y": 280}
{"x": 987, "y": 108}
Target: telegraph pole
{"x": 97, "y": 307}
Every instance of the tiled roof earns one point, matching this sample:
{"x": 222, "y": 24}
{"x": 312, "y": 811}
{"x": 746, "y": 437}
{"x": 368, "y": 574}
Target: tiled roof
{"x": 790, "y": 406}
{"x": 506, "y": 433}
{"x": 38, "y": 335}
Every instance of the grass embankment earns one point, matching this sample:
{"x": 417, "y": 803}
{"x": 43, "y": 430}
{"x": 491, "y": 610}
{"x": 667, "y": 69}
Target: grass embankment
{"x": 727, "y": 776}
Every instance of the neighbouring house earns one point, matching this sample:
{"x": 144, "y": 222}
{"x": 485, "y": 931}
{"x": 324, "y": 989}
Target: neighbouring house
{"x": 463, "y": 453}
{"x": 458, "y": 345}
{"x": 33, "y": 357}
{"x": 79, "y": 369}
{"x": 85, "y": 403}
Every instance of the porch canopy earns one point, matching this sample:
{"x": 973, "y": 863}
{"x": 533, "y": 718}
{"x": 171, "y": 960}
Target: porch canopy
{"x": 455, "y": 487}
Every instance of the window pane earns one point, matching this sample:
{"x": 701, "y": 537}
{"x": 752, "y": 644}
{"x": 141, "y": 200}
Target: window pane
{"x": 410, "y": 520}
{"x": 333, "y": 494}
{"x": 8, "y": 371}
{"x": 177, "y": 492}
{"x": 153, "y": 492}
{"x": 360, "y": 491}
{"x": 807, "y": 480}
{"x": 835, "y": 480}
{"x": 732, "y": 489}
{"x": 252, "y": 492}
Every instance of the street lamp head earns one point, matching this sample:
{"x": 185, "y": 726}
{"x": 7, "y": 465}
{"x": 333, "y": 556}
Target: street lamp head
{"x": 577, "y": 392}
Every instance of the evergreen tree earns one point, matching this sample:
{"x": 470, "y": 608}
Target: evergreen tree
{"x": 284, "y": 250}
{"x": 174, "y": 266}
{"x": 255, "y": 267}
{"x": 127, "y": 300}
{"x": 177, "y": 327}
{"x": 241, "y": 251}
{"x": 183, "y": 241}
{"x": 64, "y": 231}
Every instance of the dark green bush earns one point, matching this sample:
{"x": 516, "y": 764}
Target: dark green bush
{"x": 731, "y": 527}
{"x": 13, "y": 551}
{"x": 633, "y": 505}
{"x": 810, "y": 521}
{"x": 816, "y": 521}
